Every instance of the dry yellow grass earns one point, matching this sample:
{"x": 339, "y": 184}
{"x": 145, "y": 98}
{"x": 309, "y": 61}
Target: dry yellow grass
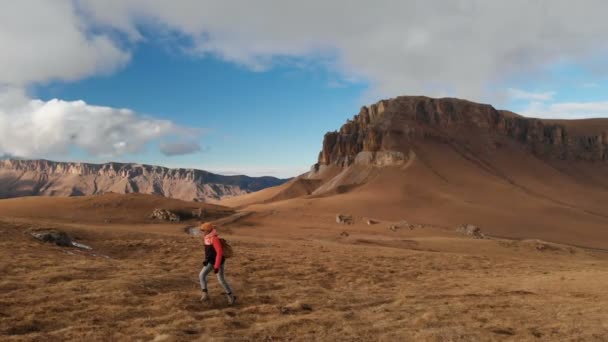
{"x": 297, "y": 278}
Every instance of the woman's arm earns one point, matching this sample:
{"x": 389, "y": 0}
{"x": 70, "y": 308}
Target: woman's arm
{"x": 219, "y": 253}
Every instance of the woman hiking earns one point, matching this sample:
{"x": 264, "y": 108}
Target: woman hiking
{"x": 214, "y": 260}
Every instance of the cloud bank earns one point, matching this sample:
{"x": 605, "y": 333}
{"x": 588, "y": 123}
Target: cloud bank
{"x": 432, "y": 47}
{"x": 35, "y": 128}
{"x": 464, "y": 48}
{"x": 567, "y": 110}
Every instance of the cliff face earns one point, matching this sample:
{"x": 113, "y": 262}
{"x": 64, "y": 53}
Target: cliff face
{"x": 392, "y": 127}
{"x": 43, "y": 177}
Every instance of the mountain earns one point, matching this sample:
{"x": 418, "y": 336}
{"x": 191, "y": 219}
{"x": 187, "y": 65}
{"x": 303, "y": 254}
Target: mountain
{"x": 448, "y": 161}
{"x": 49, "y": 178}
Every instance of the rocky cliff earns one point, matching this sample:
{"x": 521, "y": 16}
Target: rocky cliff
{"x": 43, "y": 177}
{"x": 385, "y": 132}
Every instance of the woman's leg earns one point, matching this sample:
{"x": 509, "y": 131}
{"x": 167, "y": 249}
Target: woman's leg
{"x": 202, "y": 276}
{"x": 222, "y": 280}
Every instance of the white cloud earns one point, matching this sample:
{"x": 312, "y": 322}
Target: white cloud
{"x": 567, "y": 110}
{"x": 400, "y": 47}
{"x": 518, "y": 94}
{"x": 47, "y": 40}
{"x": 458, "y": 48}
{"x": 35, "y": 128}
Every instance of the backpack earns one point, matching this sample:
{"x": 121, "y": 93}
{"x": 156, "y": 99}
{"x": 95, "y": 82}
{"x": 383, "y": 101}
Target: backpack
{"x": 226, "y": 248}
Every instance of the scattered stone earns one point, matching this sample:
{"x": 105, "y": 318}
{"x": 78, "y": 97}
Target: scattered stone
{"x": 504, "y": 331}
{"x": 344, "y": 219}
{"x": 164, "y": 215}
{"x": 53, "y": 236}
{"x": 536, "y": 333}
{"x": 81, "y": 246}
{"x": 192, "y": 230}
{"x": 542, "y": 246}
{"x": 306, "y": 307}
{"x": 344, "y": 234}
{"x": 190, "y": 331}
{"x": 199, "y": 213}
{"x": 402, "y": 224}
{"x": 295, "y": 308}
{"x": 470, "y": 230}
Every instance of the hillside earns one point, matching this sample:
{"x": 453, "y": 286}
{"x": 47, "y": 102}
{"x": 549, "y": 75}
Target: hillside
{"x": 447, "y": 162}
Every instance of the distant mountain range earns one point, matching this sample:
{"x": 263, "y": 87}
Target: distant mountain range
{"x": 20, "y": 177}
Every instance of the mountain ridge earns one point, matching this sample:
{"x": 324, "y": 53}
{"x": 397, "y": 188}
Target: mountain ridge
{"x": 40, "y": 177}
{"x": 397, "y": 124}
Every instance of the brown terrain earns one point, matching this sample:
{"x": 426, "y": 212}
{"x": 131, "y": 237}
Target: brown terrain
{"x": 405, "y": 173}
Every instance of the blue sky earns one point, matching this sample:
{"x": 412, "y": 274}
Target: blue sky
{"x": 251, "y": 87}
{"x": 259, "y": 122}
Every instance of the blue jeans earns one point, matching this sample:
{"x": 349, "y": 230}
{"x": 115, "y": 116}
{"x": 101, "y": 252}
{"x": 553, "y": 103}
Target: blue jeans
{"x": 220, "y": 277}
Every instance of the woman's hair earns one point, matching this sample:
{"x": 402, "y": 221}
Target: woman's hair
{"x": 207, "y": 226}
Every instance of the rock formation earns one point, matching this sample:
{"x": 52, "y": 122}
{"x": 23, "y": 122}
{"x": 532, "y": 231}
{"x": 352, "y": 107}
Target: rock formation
{"x": 384, "y": 133}
{"x": 470, "y": 230}
{"x": 53, "y": 236}
{"x": 48, "y": 178}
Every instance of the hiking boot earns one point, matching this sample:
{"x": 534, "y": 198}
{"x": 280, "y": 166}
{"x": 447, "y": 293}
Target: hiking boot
{"x": 205, "y": 297}
{"x": 231, "y": 298}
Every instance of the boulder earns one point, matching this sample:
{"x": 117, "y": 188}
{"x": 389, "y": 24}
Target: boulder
{"x": 53, "y": 236}
{"x": 164, "y": 215}
{"x": 470, "y": 230}
{"x": 344, "y": 219}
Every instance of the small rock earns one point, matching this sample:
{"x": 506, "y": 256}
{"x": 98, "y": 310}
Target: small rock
{"x": 199, "y": 213}
{"x": 344, "y": 219}
{"x": 470, "y": 230}
{"x": 53, "y": 236}
{"x": 370, "y": 222}
{"x": 536, "y": 333}
{"x": 306, "y": 307}
{"x": 344, "y": 234}
{"x": 402, "y": 224}
{"x": 165, "y": 215}
{"x": 504, "y": 331}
